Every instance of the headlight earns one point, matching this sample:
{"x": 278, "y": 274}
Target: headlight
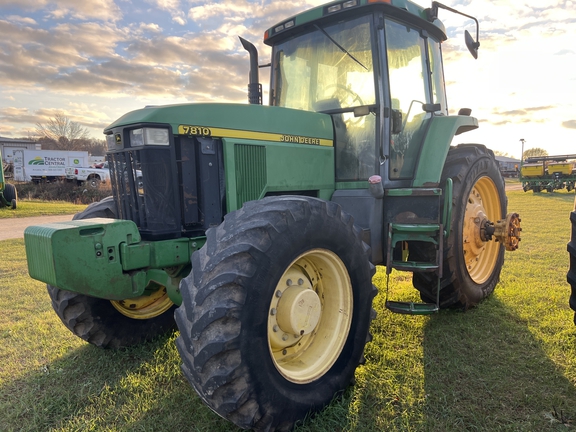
{"x": 149, "y": 136}
{"x": 114, "y": 141}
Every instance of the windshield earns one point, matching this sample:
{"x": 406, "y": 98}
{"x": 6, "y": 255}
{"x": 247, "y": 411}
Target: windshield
{"x": 327, "y": 69}
{"x": 331, "y": 70}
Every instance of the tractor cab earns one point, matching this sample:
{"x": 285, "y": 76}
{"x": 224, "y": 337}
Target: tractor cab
{"x": 376, "y": 69}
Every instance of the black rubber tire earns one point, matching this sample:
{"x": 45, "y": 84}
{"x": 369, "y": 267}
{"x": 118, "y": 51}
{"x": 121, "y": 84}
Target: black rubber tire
{"x": 96, "y": 320}
{"x": 571, "y": 276}
{"x": 465, "y": 165}
{"x": 226, "y": 298}
{"x": 10, "y": 193}
{"x": 94, "y": 181}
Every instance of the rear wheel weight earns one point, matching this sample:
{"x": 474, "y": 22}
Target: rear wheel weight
{"x": 102, "y": 322}
{"x": 246, "y": 349}
{"x": 471, "y": 267}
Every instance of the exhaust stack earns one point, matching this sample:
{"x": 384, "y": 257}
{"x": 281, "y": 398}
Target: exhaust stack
{"x": 254, "y": 87}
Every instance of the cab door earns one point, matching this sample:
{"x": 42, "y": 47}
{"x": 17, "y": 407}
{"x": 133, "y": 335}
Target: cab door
{"x": 414, "y": 81}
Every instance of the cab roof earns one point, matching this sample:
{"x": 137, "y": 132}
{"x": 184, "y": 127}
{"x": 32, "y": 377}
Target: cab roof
{"x": 401, "y": 9}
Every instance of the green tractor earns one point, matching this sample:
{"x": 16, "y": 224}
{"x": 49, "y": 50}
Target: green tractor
{"x": 256, "y": 229}
{"x": 8, "y": 194}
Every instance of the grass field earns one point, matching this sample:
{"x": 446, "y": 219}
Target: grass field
{"x": 506, "y": 365}
{"x": 28, "y": 208}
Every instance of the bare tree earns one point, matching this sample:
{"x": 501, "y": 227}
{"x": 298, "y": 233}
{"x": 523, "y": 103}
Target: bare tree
{"x": 96, "y": 147}
{"x": 63, "y": 134}
{"x": 533, "y": 152}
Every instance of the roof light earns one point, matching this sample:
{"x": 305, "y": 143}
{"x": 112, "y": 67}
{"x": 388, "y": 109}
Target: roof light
{"x": 349, "y": 4}
{"x": 334, "y": 8}
{"x": 289, "y": 24}
{"x": 279, "y": 28}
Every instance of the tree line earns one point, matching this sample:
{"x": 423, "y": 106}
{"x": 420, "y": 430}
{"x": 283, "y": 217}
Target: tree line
{"x": 61, "y": 133}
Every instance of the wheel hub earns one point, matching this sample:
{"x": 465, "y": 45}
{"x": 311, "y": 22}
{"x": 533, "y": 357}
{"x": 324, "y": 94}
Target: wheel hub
{"x": 299, "y": 310}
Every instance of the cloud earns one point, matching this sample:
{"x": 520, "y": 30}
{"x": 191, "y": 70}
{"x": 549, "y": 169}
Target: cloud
{"x": 151, "y": 27}
{"x": 105, "y": 10}
{"x": 21, "y": 19}
{"x": 565, "y": 52}
{"x": 569, "y": 124}
{"x": 179, "y": 20}
{"x": 540, "y": 108}
{"x": 18, "y": 116}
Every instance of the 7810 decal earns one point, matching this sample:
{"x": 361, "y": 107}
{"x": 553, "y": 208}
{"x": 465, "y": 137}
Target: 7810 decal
{"x": 194, "y": 130}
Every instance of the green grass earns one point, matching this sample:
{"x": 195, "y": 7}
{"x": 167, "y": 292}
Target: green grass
{"x": 506, "y": 365}
{"x": 28, "y": 208}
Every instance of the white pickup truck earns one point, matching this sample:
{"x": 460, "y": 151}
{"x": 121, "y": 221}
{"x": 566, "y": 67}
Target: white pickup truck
{"x": 92, "y": 176}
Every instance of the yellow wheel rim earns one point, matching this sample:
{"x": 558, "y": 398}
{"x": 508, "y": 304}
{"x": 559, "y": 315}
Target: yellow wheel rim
{"x": 483, "y": 203}
{"x": 309, "y": 316}
{"x": 144, "y": 306}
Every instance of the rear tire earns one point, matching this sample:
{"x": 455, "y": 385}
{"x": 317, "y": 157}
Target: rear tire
{"x": 571, "y": 276}
{"x": 239, "y": 338}
{"x": 470, "y": 271}
{"x": 100, "y": 321}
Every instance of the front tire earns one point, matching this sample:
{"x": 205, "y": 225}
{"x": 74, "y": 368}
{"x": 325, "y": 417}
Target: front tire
{"x": 471, "y": 267}
{"x": 276, "y": 311}
{"x": 112, "y": 324}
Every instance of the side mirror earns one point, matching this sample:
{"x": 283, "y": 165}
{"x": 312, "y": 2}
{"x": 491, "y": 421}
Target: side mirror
{"x": 471, "y": 44}
{"x": 396, "y": 122}
{"x": 432, "y": 14}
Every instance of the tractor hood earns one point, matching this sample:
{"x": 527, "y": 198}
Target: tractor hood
{"x": 257, "y": 122}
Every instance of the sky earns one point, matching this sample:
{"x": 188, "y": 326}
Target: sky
{"x": 95, "y": 60}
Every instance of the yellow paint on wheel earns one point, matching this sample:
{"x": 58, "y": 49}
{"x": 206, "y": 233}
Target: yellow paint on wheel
{"x": 144, "y": 306}
{"x": 310, "y": 316}
{"x": 480, "y": 256}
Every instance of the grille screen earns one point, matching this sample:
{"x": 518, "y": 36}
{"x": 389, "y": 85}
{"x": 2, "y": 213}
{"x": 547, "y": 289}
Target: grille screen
{"x": 251, "y": 176}
{"x": 144, "y": 191}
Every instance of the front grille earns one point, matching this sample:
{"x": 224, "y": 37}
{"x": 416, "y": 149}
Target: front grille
{"x": 145, "y": 192}
{"x": 251, "y": 176}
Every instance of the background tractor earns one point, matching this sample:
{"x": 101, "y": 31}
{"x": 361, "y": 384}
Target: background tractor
{"x": 257, "y": 228}
{"x": 8, "y": 194}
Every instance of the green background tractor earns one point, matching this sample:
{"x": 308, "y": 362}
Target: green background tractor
{"x": 8, "y": 194}
{"x": 257, "y": 229}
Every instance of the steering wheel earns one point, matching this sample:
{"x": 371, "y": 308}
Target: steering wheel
{"x": 347, "y": 98}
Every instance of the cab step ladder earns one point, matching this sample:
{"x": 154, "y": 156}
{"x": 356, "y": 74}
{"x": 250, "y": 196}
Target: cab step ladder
{"x": 432, "y": 231}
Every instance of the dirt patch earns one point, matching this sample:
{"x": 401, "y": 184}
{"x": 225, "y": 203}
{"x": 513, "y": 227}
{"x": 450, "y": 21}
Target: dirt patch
{"x": 14, "y": 227}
